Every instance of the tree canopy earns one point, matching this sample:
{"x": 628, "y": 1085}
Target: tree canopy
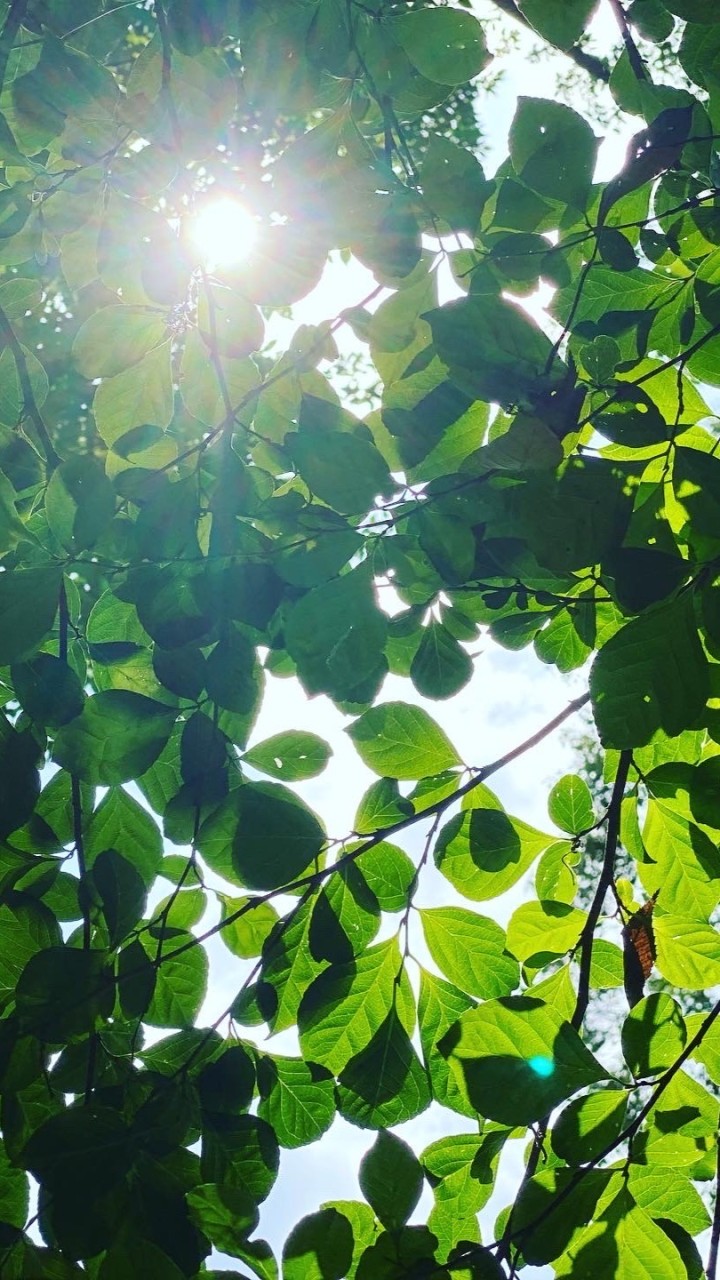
{"x": 188, "y": 508}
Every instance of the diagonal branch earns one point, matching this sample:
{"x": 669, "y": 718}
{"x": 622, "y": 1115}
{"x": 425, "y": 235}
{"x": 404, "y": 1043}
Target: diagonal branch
{"x": 435, "y": 810}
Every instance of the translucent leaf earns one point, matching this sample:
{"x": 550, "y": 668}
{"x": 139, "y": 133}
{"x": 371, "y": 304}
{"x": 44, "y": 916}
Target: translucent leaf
{"x": 401, "y": 741}
{"x": 470, "y": 951}
{"x": 518, "y": 1059}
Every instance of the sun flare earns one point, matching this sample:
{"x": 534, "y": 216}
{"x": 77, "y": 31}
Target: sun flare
{"x": 223, "y": 232}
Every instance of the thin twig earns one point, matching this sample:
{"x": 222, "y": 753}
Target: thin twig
{"x": 317, "y": 877}
{"x": 630, "y": 1131}
{"x": 607, "y": 875}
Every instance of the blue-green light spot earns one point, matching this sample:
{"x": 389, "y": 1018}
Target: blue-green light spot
{"x": 541, "y": 1066}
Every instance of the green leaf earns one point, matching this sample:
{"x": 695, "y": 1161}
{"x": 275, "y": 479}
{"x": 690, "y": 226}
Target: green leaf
{"x": 120, "y": 823}
{"x": 342, "y": 469}
{"x": 114, "y": 338}
{"x": 687, "y": 952}
{"x": 320, "y": 1247}
{"x": 292, "y": 756}
{"x": 632, "y": 695}
{"x": 539, "y": 931}
{"x": 385, "y": 1084}
{"x": 227, "y": 1084}
{"x": 28, "y": 604}
{"x": 666, "y": 1193}
{"x": 389, "y": 874}
{"x": 262, "y": 835}
{"x": 440, "y": 667}
{"x": 562, "y": 22}
{"x": 49, "y": 690}
{"x": 483, "y": 852}
{"x": 181, "y": 981}
{"x": 570, "y": 804}
{"x": 515, "y": 352}
{"x": 439, "y": 1007}
{"x": 14, "y": 1192}
{"x": 121, "y": 891}
{"x": 627, "y": 1240}
{"x": 227, "y": 1215}
{"x": 347, "y": 1004}
{"x": 519, "y": 1059}
{"x": 79, "y": 503}
{"x": 470, "y": 951}
{"x": 12, "y": 391}
{"x": 586, "y": 1126}
{"x": 336, "y": 635}
{"x": 391, "y": 1179}
{"x": 553, "y": 150}
{"x": 381, "y": 806}
{"x": 240, "y": 1151}
{"x": 606, "y": 966}
{"x": 446, "y": 45}
{"x": 345, "y": 917}
{"x": 453, "y": 183}
{"x": 653, "y": 1035}
{"x": 117, "y": 736}
{"x": 297, "y": 1098}
{"x": 401, "y": 741}
{"x": 288, "y": 969}
{"x": 61, "y": 993}
{"x": 28, "y": 928}
{"x": 246, "y": 936}
{"x": 136, "y": 397}
{"x": 19, "y": 777}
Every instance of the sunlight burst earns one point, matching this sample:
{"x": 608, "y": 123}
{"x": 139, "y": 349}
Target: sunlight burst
{"x": 223, "y": 232}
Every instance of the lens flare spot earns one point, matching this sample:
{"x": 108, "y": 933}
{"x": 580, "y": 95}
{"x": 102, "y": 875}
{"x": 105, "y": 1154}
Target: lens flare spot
{"x": 541, "y": 1065}
{"x": 223, "y": 232}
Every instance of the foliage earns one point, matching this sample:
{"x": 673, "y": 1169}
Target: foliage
{"x": 184, "y": 508}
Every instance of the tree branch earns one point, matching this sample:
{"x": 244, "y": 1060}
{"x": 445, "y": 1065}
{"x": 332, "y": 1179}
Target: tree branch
{"x": 435, "y": 810}
{"x": 633, "y": 53}
{"x": 607, "y": 874}
{"x": 596, "y": 67}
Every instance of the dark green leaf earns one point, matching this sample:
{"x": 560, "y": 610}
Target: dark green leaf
{"x": 319, "y": 1248}
{"x": 117, "y": 736}
{"x": 263, "y": 835}
{"x": 391, "y": 1179}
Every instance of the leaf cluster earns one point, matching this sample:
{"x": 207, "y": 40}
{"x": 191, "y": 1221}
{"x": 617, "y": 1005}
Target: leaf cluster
{"x": 187, "y": 511}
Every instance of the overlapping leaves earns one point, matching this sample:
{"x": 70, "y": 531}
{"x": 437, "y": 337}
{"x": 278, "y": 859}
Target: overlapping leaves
{"x": 187, "y": 512}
